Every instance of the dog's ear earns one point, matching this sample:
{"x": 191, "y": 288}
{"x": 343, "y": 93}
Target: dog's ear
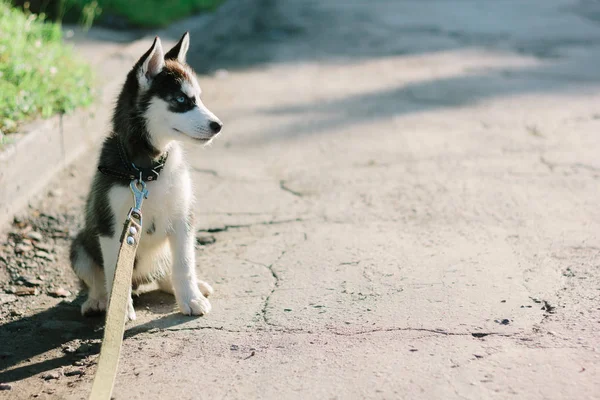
{"x": 151, "y": 64}
{"x": 179, "y": 51}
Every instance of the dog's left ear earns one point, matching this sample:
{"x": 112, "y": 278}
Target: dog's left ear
{"x": 179, "y": 51}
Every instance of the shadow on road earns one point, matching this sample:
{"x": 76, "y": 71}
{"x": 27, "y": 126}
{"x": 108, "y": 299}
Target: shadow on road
{"x": 454, "y": 92}
{"x": 564, "y": 41}
{"x": 30, "y": 338}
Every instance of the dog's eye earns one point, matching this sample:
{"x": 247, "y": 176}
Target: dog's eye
{"x": 180, "y": 99}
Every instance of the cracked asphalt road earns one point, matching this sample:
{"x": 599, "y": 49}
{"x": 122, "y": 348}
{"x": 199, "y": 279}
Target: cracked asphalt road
{"x": 405, "y": 205}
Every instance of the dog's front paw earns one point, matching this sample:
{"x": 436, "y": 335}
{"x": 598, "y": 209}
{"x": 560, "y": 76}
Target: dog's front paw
{"x": 196, "y": 305}
{"x": 92, "y": 307}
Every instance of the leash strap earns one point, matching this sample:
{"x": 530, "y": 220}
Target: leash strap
{"x": 116, "y": 314}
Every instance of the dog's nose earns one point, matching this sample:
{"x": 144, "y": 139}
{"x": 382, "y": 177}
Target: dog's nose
{"x": 215, "y": 126}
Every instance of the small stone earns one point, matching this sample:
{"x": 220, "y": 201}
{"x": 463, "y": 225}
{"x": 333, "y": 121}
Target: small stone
{"x": 5, "y": 386}
{"x": 22, "y": 248}
{"x": 78, "y": 363}
{"x": 69, "y": 349}
{"x": 26, "y": 291}
{"x": 84, "y": 348}
{"x": 45, "y": 255}
{"x": 75, "y": 372}
{"x": 51, "y": 375}
{"x": 7, "y": 298}
{"x": 29, "y": 281}
{"x": 42, "y": 246}
{"x": 60, "y": 234}
{"x": 60, "y": 292}
{"x": 33, "y": 235}
{"x": 234, "y": 347}
{"x": 19, "y": 223}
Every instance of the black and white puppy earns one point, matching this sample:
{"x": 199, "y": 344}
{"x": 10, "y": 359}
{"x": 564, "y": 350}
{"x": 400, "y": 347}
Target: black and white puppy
{"x": 158, "y": 107}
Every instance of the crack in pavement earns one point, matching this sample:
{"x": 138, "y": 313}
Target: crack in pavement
{"x": 553, "y": 165}
{"x": 135, "y": 331}
{"x": 200, "y": 328}
{"x": 232, "y": 213}
{"x": 285, "y": 330}
{"x": 263, "y": 311}
{"x": 238, "y": 226}
{"x": 435, "y": 331}
{"x": 283, "y": 187}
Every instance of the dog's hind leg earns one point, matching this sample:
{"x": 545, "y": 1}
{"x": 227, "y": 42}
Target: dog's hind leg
{"x": 91, "y": 274}
{"x": 96, "y": 301}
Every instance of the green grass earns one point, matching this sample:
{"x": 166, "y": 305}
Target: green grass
{"x": 146, "y": 13}
{"x": 39, "y": 75}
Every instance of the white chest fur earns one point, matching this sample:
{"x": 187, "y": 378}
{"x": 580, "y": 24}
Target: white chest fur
{"x": 169, "y": 199}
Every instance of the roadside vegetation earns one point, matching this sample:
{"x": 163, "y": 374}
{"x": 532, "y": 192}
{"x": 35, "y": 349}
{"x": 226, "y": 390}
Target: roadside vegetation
{"x": 39, "y": 75}
{"x": 154, "y": 13}
{"x": 124, "y": 13}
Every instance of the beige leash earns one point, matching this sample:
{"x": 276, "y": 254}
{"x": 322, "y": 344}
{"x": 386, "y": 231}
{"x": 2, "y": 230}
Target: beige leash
{"x": 119, "y": 298}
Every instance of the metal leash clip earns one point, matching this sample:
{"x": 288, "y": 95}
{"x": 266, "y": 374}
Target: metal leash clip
{"x": 138, "y": 197}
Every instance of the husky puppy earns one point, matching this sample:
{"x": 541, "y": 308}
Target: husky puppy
{"x": 158, "y": 107}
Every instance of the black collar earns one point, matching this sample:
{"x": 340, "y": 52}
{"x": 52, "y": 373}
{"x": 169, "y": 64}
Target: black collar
{"x": 129, "y": 171}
